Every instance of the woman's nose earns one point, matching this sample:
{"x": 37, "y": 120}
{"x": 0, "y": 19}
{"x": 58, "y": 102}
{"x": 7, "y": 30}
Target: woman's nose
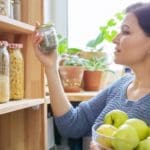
{"x": 116, "y": 38}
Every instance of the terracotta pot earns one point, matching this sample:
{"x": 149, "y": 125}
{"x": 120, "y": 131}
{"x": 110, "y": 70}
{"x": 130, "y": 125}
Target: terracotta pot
{"x": 92, "y": 80}
{"x": 71, "y": 77}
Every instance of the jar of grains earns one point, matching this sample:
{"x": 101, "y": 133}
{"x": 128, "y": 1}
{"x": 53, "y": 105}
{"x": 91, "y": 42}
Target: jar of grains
{"x": 4, "y": 72}
{"x": 16, "y": 71}
{"x": 49, "y": 42}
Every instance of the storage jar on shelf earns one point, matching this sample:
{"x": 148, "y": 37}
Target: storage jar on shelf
{"x": 4, "y": 72}
{"x": 5, "y": 7}
{"x": 17, "y": 9}
{"x": 16, "y": 71}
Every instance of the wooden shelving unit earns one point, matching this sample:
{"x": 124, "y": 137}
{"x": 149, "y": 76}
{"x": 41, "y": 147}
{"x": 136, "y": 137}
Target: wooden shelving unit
{"x": 23, "y": 123}
{"x": 81, "y": 96}
{"x": 15, "y": 26}
{"x": 19, "y": 105}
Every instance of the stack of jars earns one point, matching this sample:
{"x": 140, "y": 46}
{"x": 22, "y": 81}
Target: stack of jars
{"x": 16, "y": 71}
{"x": 11, "y": 72}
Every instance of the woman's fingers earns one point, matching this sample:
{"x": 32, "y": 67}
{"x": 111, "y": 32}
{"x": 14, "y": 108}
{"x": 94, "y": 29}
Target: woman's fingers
{"x": 94, "y": 146}
{"x": 37, "y": 38}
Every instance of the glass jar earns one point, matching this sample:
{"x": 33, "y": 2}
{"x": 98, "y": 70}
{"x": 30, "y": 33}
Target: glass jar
{"x": 16, "y": 71}
{"x": 4, "y": 72}
{"x": 49, "y": 42}
{"x": 5, "y": 7}
{"x": 17, "y": 9}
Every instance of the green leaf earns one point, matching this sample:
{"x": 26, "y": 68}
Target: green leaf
{"x": 62, "y": 46}
{"x": 73, "y": 50}
{"x": 111, "y": 23}
{"x": 111, "y": 35}
{"x": 94, "y": 43}
{"x": 119, "y": 15}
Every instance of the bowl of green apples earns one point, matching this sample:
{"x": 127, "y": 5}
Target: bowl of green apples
{"x": 105, "y": 136}
{"x": 118, "y": 132}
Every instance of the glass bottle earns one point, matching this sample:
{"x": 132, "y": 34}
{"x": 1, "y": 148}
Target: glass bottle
{"x": 4, "y": 72}
{"x": 49, "y": 42}
{"x": 16, "y": 71}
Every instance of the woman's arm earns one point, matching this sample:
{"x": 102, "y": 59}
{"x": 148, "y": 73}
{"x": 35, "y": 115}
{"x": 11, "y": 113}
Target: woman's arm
{"x": 59, "y": 102}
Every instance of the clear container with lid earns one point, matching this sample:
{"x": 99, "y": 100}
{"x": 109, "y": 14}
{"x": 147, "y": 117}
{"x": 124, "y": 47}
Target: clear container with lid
{"x": 4, "y": 72}
{"x": 16, "y": 71}
{"x": 5, "y": 7}
{"x": 49, "y": 42}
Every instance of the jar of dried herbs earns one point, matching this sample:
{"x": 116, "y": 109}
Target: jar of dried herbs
{"x": 49, "y": 41}
{"x": 4, "y": 72}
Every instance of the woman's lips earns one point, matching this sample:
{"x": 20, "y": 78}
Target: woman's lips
{"x": 117, "y": 50}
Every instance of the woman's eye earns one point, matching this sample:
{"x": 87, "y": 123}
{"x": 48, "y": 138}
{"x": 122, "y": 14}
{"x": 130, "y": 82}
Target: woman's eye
{"x": 125, "y": 32}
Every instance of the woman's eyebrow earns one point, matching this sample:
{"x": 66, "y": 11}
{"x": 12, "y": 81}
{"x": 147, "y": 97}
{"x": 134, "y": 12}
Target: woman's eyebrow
{"x": 125, "y": 26}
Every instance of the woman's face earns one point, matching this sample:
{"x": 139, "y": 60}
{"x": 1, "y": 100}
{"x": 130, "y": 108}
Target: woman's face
{"x": 132, "y": 45}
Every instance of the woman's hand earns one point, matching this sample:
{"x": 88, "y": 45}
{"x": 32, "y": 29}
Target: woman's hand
{"x": 48, "y": 60}
{"x": 95, "y": 146}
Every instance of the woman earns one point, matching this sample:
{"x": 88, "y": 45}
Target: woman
{"x": 131, "y": 93}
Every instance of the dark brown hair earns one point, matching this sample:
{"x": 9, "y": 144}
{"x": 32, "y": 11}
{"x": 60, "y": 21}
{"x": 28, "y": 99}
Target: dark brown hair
{"x": 142, "y": 12}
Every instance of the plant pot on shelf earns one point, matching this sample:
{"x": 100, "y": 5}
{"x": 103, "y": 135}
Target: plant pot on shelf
{"x": 92, "y": 80}
{"x": 71, "y": 77}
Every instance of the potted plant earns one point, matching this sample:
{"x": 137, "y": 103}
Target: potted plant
{"x": 94, "y": 69}
{"x": 97, "y": 62}
{"x": 70, "y": 66}
{"x": 71, "y": 72}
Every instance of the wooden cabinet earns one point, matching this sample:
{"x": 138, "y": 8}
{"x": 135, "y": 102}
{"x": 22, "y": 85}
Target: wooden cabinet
{"x": 23, "y": 123}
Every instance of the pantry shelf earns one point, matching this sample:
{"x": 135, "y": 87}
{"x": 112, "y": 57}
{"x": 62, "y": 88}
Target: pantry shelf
{"x": 76, "y": 96}
{"x": 12, "y": 106}
{"x": 15, "y": 26}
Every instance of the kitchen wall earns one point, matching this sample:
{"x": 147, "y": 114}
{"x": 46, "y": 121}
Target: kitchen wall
{"x": 56, "y": 11}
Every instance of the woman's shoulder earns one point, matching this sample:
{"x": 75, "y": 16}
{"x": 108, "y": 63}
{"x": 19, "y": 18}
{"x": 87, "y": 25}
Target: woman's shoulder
{"x": 121, "y": 82}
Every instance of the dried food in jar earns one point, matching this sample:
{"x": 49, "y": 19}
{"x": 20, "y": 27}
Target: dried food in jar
{"x": 4, "y": 72}
{"x": 16, "y": 71}
{"x": 49, "y": 42}
{"x": 4, "y": 88}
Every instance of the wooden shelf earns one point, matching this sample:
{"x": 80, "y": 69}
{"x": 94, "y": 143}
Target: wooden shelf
{"x": 15, "y": 26}
{"x": 81, "y": 96}
{"x": 76, "y": 97}
{"x": 20, "y": 104}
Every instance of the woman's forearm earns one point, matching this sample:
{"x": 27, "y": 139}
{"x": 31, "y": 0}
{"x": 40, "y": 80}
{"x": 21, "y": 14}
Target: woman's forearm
{"x": 59, "y": 102}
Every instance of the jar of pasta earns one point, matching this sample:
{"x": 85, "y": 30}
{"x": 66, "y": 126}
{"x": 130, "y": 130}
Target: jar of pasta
{"x": 16, "y": 71}
{"x": 49, "y": 42}
{"x": 4, "y": 72}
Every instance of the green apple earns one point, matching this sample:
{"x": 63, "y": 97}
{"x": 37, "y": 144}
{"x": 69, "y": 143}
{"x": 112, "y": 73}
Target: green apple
{"x": 140, "y": 126}
{"x": 115, "y": 117}
{"x": 149, "y": 131}
{"x": 125, "y": 138}
{"x": 144, "y": 145}
{"x": 105, "y": 131}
